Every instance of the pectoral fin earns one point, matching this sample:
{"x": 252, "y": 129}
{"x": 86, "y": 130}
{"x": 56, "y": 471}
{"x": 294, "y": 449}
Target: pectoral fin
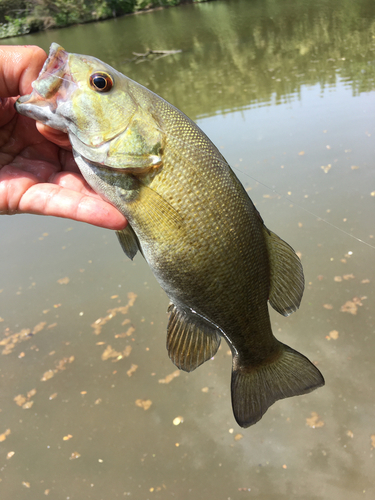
{"x": 154, "y": 213}
{"x": 129, "y": 241}
{"x": 287, "y": 281}
{"x": 190, "y": 340}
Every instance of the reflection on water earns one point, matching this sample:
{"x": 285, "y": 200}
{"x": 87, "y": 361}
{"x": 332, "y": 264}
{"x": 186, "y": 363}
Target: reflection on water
{"x": 89, "y": 399}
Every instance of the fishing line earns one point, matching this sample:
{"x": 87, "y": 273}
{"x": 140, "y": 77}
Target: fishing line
{"x": 254, "y": 179}
{"x": 305, "y": 209}
{"x": 56, "y": 76}
{"x": 281, "y": 196}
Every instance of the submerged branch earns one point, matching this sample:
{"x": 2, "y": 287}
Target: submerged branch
{"x": 145, "y": 57}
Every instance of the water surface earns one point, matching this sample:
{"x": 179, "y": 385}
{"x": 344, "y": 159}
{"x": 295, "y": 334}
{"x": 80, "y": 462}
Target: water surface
{"x": 286, "y": 91}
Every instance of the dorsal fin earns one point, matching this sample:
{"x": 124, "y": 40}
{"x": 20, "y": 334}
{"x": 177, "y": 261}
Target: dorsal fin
{"x": 287, "y": 281}
{"x": 190, "y": 339}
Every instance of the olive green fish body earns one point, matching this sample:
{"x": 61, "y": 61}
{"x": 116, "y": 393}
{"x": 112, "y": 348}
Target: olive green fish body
{"x": 190, "y": 218}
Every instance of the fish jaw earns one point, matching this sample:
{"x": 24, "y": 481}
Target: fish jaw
{"x": 110, "y": 128}
{"x": 51, "y": 90}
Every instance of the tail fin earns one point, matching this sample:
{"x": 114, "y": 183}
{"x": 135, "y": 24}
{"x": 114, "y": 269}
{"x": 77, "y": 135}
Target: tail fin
{"x": 255, "y": 389}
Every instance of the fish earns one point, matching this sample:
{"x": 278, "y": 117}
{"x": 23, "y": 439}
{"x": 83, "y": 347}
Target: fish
{"x": 190, "y": 218}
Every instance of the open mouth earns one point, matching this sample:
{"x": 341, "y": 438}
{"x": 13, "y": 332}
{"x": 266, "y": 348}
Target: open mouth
{"x": 41, "y": 103}
{"x": 53, "y": 72}
{"x": 49, "y": 80}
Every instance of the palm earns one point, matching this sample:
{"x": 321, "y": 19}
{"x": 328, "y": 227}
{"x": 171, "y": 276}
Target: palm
{"x": 38, "y": 176}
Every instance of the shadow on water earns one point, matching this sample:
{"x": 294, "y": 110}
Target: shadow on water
{"x": 88, "y": 396}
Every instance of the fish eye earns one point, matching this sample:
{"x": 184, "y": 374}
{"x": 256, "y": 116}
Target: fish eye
{"x": 101, "y": 82}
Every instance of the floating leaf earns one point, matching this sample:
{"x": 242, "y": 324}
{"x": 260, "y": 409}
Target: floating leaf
{"x": 100, "y": 322}
{"x": 314, "y": 421}
{"x": 47, "y": 375}
{"x": 63, "y": 281}
{"x": 10, "y": 341}
{"x": 169, "y": 377}
{"x": 20, "y": 399}
{"x": 178, "y": 420}
{"x": 351, "y": 306}
{"x": 326, "y": 169}
{"x": 128, "y": 333}
{"x": 4, "y": 435}
{"x": 348, "y": 276}
{"x": 109, "y": 353}
{"x": 131, "y": 370}
{"x": 60, "y": 366}
{"x": 28, "y": 405}
{"x": 334, "y": 334}
{"x": 144, "y": 403}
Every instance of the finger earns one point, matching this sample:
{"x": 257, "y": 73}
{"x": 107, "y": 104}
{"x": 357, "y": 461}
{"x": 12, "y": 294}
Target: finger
{"x": 19, "y": 66}
{"x": 74, "y": 182}
{"x": 50, "y": 199}
{"x": 15, "y": 182}
{"x": 55, "y": 136}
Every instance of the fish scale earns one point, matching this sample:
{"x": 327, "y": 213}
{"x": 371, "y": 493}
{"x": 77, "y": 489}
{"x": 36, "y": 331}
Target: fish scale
{"x": 190, "y": 218}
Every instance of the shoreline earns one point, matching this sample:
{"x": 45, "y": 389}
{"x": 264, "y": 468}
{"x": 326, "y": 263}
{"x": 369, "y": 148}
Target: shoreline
{"x": 32, "y": 24}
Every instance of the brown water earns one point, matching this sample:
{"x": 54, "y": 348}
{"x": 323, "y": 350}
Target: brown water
{"x": 286, "y": 91}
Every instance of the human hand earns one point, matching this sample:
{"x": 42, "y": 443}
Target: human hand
{"x": 38, "y": 174}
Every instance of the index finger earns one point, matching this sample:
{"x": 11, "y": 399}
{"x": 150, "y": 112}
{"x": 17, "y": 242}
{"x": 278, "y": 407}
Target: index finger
{"x": 19, "y": 67}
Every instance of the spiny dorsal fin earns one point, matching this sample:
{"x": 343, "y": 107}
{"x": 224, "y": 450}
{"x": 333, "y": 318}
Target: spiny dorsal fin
{"x": 190, "y": 340}
{"x": 128, "y": 241}
{"x": 287, "y": 281}
{"x": 255, "y": 389}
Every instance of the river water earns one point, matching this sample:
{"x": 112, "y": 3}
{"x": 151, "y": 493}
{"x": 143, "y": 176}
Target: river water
{"x": 89, "y": 400}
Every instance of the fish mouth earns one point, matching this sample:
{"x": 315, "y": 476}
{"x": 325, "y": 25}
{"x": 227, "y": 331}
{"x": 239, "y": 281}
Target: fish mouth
{"x": 50, "y": 78}
{"x": 53, "y": 72}
{"x": 48, "y": 88}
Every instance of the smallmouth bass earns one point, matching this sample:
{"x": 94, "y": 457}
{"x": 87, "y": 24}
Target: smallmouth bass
{"x": 190, "y": 218}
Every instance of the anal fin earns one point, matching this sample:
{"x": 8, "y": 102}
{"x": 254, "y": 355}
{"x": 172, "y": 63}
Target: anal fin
{"x": 190, "y": 339}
